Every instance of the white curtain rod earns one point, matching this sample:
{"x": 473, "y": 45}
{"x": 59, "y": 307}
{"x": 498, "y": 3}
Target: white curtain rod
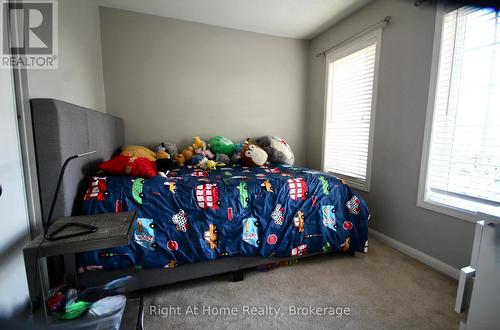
{"x": 383, "y": 22}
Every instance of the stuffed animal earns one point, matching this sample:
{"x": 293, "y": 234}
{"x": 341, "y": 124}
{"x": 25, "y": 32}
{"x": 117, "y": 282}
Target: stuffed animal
{"x": 222, "y": 158}
{"x": 188, "y": 153}
{"x": 199, "y": 143}
{"x": 199, "y": 161}
{"x": 207, "y": 153}
{"x": 222, "y": 145}
{"x": 127, "y": 165}
{"x": 138, "y": 151}
{"x": 179, "y": 159}
{"x": 212, "y": 165}
{"x": 253, "y": 155}
{"x": 161, "y": 152}
{"x": 170, "y": 148}
{"x": 235, "y": 158}
{"x": 277, "y": 149}
{"x": 162, "y": 155}
{"x": 239, "y": 146}
{"x": 160, "y": 147}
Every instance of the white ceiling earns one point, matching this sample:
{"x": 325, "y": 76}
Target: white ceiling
{"x": 301, "y": 19}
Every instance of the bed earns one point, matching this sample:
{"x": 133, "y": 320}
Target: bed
{"x": 192, "y": 223}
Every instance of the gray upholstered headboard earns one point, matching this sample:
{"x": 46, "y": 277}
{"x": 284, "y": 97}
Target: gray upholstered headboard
{"x": 61, "y": 130}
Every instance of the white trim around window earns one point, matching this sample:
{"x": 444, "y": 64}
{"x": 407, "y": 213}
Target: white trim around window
{"x": 362, "y": 178}
{"x": 448, "y": 204}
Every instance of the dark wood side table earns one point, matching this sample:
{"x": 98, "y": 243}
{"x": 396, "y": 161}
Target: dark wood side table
{"x": 113, "y": 230}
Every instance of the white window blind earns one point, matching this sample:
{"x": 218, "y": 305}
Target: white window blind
{"x": 464, "y": 157}
{"x": 349, "y": 111}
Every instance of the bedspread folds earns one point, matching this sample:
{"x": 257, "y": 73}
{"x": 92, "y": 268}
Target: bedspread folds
{"x": 195, "y": 215}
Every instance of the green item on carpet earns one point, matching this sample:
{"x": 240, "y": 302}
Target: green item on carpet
{"x": 74, "y": 310}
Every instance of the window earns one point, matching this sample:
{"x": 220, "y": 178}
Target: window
{"x": 350, "y": 110}
{"x": 461, "y": 160}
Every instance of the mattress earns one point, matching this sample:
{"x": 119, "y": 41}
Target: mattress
{"x": 194, "y": 215}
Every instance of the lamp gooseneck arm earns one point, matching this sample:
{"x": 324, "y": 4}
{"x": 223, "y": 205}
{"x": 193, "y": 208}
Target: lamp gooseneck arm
{"x": 56, "y": 194}
{"x": 58, "y": 187}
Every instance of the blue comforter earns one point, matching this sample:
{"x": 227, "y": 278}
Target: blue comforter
{"x": 194, "y": 215}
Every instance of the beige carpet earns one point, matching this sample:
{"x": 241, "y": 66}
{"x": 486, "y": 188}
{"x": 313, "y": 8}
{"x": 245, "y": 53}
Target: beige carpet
{"x": 383, "y": 290}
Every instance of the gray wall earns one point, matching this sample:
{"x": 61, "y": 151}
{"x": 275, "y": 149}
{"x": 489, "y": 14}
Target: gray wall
{"x": 79, "y": 78}
{"x": 171, "y": 80}
{"x": 405, "y": 63}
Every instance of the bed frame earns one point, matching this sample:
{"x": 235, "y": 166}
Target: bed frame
{"x": 61, "y": 130}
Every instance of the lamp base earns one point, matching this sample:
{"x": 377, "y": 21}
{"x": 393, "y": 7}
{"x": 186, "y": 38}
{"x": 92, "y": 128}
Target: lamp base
{"x": 89, "y": 229}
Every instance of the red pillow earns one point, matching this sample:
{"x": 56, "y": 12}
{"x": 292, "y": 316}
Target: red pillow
{"x": 126, "y": 165}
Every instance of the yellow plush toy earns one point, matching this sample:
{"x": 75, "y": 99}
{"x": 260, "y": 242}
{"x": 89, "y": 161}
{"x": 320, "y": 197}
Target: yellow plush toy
{"x": 161, "y": 152}
{"x": 212, "y": 165}
{"x": 138, "y": 151}
{"x": 162, "y": 155}
{"x": 199, "y": 143}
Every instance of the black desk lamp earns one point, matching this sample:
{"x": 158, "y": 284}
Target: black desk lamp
{"x": 88, "y": 228}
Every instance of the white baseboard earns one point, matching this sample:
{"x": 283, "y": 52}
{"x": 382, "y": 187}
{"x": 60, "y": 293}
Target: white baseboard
{"x": 416, "y": 254}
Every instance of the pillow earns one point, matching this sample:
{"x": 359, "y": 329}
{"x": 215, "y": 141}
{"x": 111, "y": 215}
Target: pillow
{"x": 138, "y": 151}
{"x": 277, "y": 149}
{"x": 126, "y": 165}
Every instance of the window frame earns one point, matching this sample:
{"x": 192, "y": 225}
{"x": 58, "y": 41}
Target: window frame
{"x": 422, "y": 202}
{"x": 336, "y": 53}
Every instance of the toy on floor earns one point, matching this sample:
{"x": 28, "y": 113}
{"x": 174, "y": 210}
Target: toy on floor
{"x": 67, "y": 303}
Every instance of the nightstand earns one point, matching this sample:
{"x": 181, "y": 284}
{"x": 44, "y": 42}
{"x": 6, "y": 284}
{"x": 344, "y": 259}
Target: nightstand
{"x": 113, "y": 230}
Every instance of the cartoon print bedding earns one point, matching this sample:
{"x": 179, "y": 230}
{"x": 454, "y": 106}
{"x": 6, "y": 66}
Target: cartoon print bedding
{"x": 194, "y": 215}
